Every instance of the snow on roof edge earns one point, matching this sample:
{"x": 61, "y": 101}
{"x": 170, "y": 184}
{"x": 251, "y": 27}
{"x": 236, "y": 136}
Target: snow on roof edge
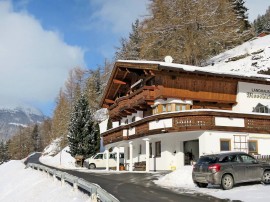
{"x": 190, "y": 68}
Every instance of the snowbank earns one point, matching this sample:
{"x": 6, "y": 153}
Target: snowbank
{"x": 181, "y": 180}
{"x": 20, "y": 184}
{"x": 61, "y": 160}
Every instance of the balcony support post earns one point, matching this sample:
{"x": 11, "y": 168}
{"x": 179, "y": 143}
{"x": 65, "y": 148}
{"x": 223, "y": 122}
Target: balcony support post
{"x": 147, "y": 154}
{"x": 107, "y": 159}
{"x": 117, "y": 158}
{"x": 131, "y": 156}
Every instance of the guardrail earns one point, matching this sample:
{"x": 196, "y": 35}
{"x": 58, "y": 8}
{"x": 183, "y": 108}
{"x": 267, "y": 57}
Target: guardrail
{"x": 95, "y": 191}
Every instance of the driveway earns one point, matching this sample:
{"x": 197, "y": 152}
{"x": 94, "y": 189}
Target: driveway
{"x": 134, "y": 187}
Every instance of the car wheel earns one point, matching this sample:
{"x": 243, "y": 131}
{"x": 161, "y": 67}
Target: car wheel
{"x": 266, "y": 177}
{"x": 92, "y": 166}
{"x": 201, "y": 185}
{"x": 227, "y": 182}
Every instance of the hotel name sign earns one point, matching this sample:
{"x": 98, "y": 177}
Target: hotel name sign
{"x": 259, "y": 93}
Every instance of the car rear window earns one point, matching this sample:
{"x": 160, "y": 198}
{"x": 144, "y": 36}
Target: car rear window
{"x": 207, "y": 160}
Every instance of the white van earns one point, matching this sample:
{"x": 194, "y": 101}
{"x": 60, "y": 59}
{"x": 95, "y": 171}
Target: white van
{"x": 99, "y": 160}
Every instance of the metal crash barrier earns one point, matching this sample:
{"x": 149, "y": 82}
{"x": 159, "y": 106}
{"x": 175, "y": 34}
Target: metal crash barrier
{"x": 95, "y": 191}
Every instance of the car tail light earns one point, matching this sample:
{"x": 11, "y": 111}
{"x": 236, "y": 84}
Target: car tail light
{"x": 214, "y": 168}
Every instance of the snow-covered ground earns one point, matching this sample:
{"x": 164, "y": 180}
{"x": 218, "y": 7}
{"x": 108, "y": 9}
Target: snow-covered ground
{"x": 250, "y": 57}
{"x": 20, "y": 184}
{"x": 62, "y": 160}
{"x": 181, "y": 180}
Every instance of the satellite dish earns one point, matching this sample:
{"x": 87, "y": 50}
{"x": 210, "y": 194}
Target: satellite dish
{"x": 168, "y": 59}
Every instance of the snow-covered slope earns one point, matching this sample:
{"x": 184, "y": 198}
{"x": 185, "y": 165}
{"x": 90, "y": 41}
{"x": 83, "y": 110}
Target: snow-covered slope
{"x": 12, "y": 118}
{"x": 250, "y": 57}
{"x": 20, "y": 184}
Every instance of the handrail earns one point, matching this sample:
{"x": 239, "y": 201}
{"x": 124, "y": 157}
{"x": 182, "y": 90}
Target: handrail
{"x": 95, "y": 191}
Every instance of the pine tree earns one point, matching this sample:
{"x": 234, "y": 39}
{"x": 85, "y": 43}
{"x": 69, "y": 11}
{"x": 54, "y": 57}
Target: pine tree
{"x": 262, "y": 23}
{"x": 241, "y": 12}
{"x": 83, "y": 136}
{"x": 36, "y": 138}
{"x": 1, "y": 152}
{"x": 4, "y": 155}
{"x": 130, "y": 48}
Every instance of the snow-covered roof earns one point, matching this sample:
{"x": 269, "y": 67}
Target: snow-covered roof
{"x": 189, "y": 68}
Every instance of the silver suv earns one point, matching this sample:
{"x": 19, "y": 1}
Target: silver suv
{"x": 227, "y": 169}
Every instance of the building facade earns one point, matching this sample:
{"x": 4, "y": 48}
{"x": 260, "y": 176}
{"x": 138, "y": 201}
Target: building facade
{"x": 166, "y": 115}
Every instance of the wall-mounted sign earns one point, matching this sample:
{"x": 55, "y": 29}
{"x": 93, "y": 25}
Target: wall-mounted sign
{"x": 249, "y": 95}
{"x": 259, "y": 93}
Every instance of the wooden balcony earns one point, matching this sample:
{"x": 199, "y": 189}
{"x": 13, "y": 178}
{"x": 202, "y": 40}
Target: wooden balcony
{"x": 190, "y": 121}
{"x": 138, "y": 100}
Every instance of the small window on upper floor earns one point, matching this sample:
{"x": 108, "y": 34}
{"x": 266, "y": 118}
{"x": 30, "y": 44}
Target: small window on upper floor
{"x": 133, "y": 118}
{"x": 183, "y": 107}
{"x": 126, "y": 121}
{"x": 164, "y": 108}
{"x": 169, "y": 107}
{"x": 177, "y": 107}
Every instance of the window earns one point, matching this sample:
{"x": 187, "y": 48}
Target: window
{"x": 169, "y": 107}
{"x": 247, "y": 159}
{"x": 225, "y": 145}
{"x": 155, "y": 110}
{"x": 150, "y": 150}
{"x": 177, "y": 107}
{"x": 126, "y": 121}
{"x": 253, "y": 146}
{"x": 183, "y": 107}
{"x": 99, "y": 156}
{"x": 140, "y": 149}
{"x": 163, "y": 108}
{"x": 133, "y": 119}
{"x": 158, "y": 149}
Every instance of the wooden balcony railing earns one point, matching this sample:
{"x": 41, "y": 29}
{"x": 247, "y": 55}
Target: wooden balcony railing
{"x": 189, "y": 121}
{"x": 126, "y": 105}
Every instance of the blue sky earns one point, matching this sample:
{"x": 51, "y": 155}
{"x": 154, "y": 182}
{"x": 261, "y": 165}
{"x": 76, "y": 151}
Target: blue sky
{"x": 43, "y": 39}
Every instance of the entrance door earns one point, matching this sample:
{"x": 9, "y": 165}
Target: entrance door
{"x": 191, "y": 151}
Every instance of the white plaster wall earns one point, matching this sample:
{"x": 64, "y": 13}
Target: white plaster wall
{"x": 131, "y": 131}
{"x": 123, "y": 120}
{"x": 225, "y": 121}
{"x": 103, "y": 126}
{"x": 245, "y": 103}
{"x": 263, "y": 143}
{"x": 209, "y": 142}
{"x": 263, "y": 146}
{"x": 139, "y": 115}
{"x": 171, "y": 100}
{"x": 162, "y": 123}
{"x": 115, "y": 124}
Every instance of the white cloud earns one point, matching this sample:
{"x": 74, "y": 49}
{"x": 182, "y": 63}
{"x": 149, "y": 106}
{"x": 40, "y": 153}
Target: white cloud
{"x": 117, "y": 14}
{"x": 34, "y": 62}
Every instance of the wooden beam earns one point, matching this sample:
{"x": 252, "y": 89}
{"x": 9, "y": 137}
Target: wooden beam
{"x": 105, "y": 106}
{"x": 150, "y": 102}
{"x": 116, "y": 81}
{"x": 119, "y": 85}
{"x": 109, "y": 101}
{"x": 151, "y": 72}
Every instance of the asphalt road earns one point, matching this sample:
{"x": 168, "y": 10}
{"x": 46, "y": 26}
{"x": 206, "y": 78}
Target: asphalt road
{"x": 134, "y": 187}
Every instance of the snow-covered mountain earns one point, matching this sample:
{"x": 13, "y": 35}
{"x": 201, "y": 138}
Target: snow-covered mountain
{"x": 251, "y": 57}
{"x": 11, "y": 119}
